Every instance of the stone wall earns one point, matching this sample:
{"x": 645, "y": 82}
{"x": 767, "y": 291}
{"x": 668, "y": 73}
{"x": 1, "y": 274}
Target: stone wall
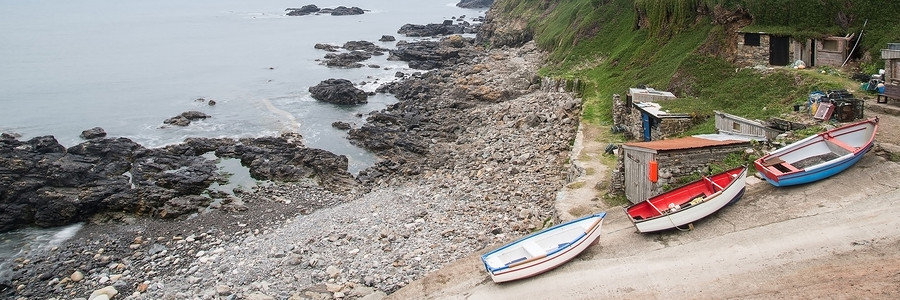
{"x": 633, "y": 124}
{"x": 617, "y": 180}
{"x": 562, "y": 85}
{"x": 676, "y": 165}
{"x": 618, "y": 110}
{"x": 748, "y": 56}
{"x": 671, "y": 127}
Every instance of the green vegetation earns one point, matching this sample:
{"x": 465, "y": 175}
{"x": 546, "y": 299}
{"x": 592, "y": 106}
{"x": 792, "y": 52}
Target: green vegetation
{"x": 675, "y": 45}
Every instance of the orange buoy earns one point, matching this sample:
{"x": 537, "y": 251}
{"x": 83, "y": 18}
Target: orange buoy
{"x": 654, "y": 171}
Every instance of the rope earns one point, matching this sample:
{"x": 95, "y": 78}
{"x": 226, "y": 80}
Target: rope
{"x": 857, "y": 43}
{"x": 668, "y": 216}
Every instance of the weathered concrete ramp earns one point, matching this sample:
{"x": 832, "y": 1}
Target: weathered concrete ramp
{"x": 837, "y": 238}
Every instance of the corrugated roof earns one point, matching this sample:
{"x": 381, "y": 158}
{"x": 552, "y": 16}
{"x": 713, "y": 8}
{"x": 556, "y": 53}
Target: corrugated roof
{"x": 683, "y": 143}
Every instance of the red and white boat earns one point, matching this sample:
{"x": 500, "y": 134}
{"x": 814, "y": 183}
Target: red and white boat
{"x": 690, "y": 202}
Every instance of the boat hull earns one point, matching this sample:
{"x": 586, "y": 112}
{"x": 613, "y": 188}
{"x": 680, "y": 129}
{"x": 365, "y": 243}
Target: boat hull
{"x": 826, "y": 171}
{"x": 845, "y": 145}
{"x": 672, "y": 219}
{"x": 504, "y": 263}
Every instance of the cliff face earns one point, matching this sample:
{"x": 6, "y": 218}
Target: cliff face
{"x": 502, "y": 28}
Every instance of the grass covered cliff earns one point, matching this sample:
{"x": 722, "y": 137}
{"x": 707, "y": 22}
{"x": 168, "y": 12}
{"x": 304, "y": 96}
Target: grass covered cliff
{"x": 688, "y": 47}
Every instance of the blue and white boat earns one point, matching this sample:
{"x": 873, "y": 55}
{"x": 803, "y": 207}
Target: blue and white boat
{"x": 819, "y": 156}
{"x": 544, "y": 250}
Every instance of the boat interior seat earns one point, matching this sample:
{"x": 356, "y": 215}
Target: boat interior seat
{"x": 839, "y": 148}
{"x": 533, "y": 248}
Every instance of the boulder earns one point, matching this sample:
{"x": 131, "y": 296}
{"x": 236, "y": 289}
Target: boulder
{"x": 387, "y": 38}
{"x": 414, "y": 30}
{"x": 362, "y": 46}
{"x": 346, "y": 60}
{"x": 326, "y": 47}
{"x": 338, "y": 91}
{"x": 194, "y": 115}
{"x": 93, "y": 133}
{"x": 185, "y": 118}
{"x": 177, "y": 121}
{"x": 343, "y": 11}
{"x": 341, "y": 125}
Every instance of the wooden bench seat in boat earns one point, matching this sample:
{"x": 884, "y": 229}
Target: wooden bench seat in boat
{"x": 832, "y": 141}
{"x": 779, "y": 166}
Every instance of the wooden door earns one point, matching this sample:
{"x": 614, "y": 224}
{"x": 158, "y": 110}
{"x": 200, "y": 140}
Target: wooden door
{"x": 779, "y": 50}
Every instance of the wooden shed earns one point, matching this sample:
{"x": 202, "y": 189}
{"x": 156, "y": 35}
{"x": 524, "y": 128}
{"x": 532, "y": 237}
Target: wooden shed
{"x": 672, "y": 159}
{"x": 891, "y": 57}
{"x": 735, "y": 125}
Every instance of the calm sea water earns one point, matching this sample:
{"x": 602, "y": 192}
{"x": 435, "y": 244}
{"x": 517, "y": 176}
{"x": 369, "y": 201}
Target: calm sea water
{"x": 127, "y": 65}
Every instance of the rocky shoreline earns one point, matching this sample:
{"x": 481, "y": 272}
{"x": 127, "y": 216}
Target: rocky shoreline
{"x": 473, "y": 155}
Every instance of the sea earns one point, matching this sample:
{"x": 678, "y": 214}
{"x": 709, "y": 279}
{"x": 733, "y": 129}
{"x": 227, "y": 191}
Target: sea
{"x": 128, "y": 65}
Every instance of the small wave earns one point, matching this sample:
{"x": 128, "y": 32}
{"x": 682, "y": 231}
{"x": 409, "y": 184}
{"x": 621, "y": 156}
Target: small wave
{"x": 64, "y": 234}
{"x": 293, "y": 125}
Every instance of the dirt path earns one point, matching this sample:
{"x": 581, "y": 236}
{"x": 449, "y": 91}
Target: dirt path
{"x": 581, "y": 197}
{"x": 829, "y": 239}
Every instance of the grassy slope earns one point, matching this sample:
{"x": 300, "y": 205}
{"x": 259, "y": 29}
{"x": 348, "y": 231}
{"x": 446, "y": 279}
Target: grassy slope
{"x": 597, "y": 41}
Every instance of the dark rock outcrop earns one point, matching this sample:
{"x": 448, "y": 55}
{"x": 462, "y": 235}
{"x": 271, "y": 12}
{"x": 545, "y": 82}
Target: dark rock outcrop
{"x": 427, "y": 55}
{"x": 93, "y": 133}
{"x": 447, "y": 28}
{"x": 475, "y": 3}
{"x": 358, "y": 51}
{"x": 338, "y": 91}
{"x": 42, "y": 183}
{"x": 346, "y": 60}
{"x": 387, "y": 38}
{"x": 341, "y": 125}
{"x": 343, "y": 11}
{"x": 366, "y": 46}
{"x": 327, "y": 47}
{"x": 305, "y": 10}
{"x": 185, "y": 118}
{"x": 337, "y": 11}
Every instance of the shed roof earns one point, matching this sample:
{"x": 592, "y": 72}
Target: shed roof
{"x": 655, "y": 110}
{"x": 649, "y": 94}
{"x": 684, "y": 143}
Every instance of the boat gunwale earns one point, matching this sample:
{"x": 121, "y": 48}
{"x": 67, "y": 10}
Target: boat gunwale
{"x": 600, "y": 216}
{"x": 707, "y": 200}
{"x": 821, "y": 137}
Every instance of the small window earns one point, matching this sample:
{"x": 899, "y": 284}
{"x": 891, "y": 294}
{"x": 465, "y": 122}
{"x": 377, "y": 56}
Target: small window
{"x": 751, "y": 39}
{"x": 830, "y": 45}
{"x": 736, "y": 126}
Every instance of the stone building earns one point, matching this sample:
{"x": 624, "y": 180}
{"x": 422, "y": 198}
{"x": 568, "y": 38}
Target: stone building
{"x": 647, "y": 121}
{"x": 675, "y": 160}
{"x": 760, "y": 48}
